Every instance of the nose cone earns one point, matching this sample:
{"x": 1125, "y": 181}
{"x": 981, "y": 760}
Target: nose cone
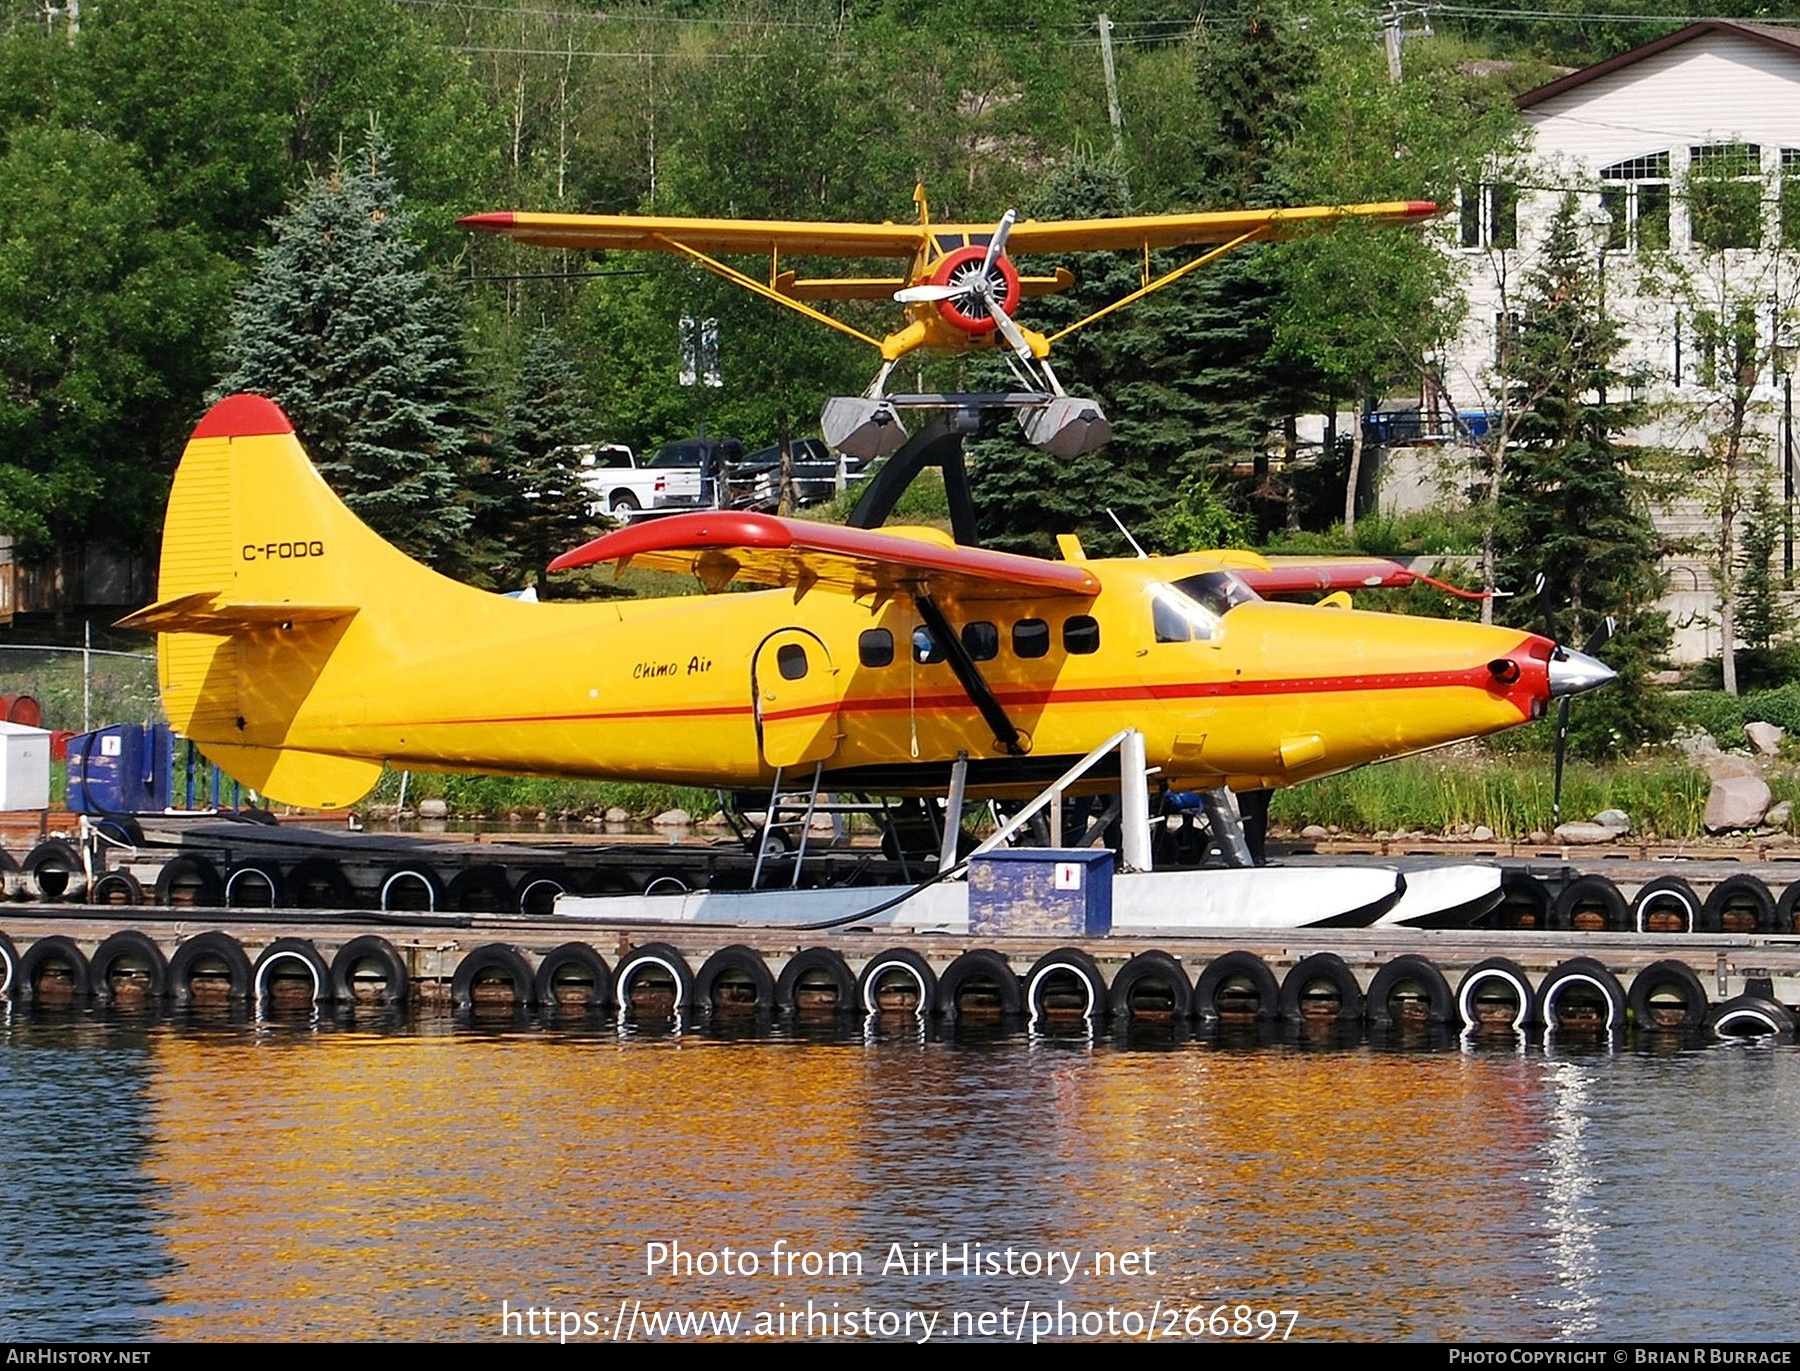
{"x": 1572, "y": 672}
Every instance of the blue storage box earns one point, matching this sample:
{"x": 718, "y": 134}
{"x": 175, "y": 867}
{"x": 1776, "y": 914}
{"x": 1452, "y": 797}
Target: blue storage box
{"x": 1058, "y": 892}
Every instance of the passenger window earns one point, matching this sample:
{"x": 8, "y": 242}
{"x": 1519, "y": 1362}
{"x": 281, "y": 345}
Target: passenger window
{"x": 790, "y": 660}
{"x": 1031, "y": 638}
{"x": 982, "y": 639}
{"x": 1081, "y": 634}
{"x": 925, "y": 647}
{"x": 875, "y": 647}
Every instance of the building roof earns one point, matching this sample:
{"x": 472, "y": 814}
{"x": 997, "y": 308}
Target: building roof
{"x": 1782, "y": 37}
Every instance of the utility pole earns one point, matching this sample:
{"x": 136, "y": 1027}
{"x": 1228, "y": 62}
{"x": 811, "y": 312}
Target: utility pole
{"x": 1113, "y": 112}
{"x": 1393, "y": 36}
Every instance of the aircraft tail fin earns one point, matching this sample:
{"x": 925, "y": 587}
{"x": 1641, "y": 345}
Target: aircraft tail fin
{"x": 264, "y": 576}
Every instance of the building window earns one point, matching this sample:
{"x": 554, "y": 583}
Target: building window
{"x": 1725, "y": 350}
{"x": 1489, "y": 215}
{"x": 1635, "y": 193}
{"x": 1725, "y": 196}
{"x": 1790, "y": 197}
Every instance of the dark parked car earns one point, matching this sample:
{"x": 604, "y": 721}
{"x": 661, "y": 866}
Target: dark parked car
{"x": 756, "y": 481}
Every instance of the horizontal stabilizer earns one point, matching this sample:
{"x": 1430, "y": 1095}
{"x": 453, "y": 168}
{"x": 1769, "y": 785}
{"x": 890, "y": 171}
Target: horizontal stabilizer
{"x": 205, "y": 611}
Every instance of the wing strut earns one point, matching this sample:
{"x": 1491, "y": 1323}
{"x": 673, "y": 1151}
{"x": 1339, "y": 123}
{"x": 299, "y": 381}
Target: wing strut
{"x": 1007, "y": 735}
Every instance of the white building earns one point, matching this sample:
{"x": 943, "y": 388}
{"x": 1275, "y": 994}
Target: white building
{"x": 1685, "y": 158}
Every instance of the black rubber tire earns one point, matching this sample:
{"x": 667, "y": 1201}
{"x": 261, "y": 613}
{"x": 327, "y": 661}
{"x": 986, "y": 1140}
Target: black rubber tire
{"x": 1525, "y": 902}
{"x": 370, "y": 947}
{"x": 492, "y": 957}
{"x": 1753, "y": 1013}
{"x": 9, "y": 967}
{"x": 1785, "y": 908}
{"x": 815, "y": 961}
{"x": 544, "y": 980}
{"x": 1734, "y": 892}
{"x": 531, "y": 885}
{"x": 1580, "y": 970}
{"x": 129, "y": 942}
{"x": 739, "y": 959}
{"x": 1659, "y": 975}
{"x": 119, "y": 829}
{"x": 319, "y": 883}
{"x": 54, "y": 948}
{"x": 116, "y": 889}
{"x": 1584, "y": 896}
{"x": 291, "y": 949}
{"x": 980, "y": 963}
{"x": 1230, "y": 966}
{"x": 622, "y": 502}
{"x": 1157, "y": 966}
{"x": 212, "y": 944}
{"x": 12, "y": 880}
{"x": 653, "y": 956}
{"x": 1507, "y": 972}
{"x": 1438, "y": 1002}
{"x": 481, "y": 889}
{"x": 1666, "y": 895}
{"x": 191, "y": 880}
{"x": 1325, "y": 966}
{"x": 406, "y": 880}
{"x": 54, "y": 874}
{"x": 1073, "y": 962}
{"x": 247, "y": 880}
{"x": 878, "y": 967}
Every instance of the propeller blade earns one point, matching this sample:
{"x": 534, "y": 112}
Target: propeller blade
{"x": 1547, "y": 607}
{"x": 1003, "y": 321}
{"x": 997, "y": 244}
{"x": 929, "y": 293}
{"x": 1562, "y": 748}
{"x": 1601, "y": 635}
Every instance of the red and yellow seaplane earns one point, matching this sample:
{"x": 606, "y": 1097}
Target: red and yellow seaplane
{"x": 958, "y": 284}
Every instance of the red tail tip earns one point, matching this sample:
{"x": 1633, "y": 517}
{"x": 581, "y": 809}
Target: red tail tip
{"x": 243, "y": 416}
{"x": 499, "y": 221}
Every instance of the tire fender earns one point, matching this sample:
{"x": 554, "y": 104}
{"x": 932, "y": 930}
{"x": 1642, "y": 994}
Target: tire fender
{"x": 1666, "y": 895}
{"x": 1734, "y": 892}
{"x": 1750, "y": 1016}
{"x": 291, "y": 950}
{"x": 54, "y": 948}
{"x": 824, "y": 960}
{"x": 1583, "y": 896}
{"x": 492, "y": 957}
{"x": 1157, "y": 966}
{"x": 192, "y": 877}
{"x": 409, "y": 880}
{"x": 1228, "y": 967}
{"x": 9, "y": 967}
{"x": 1508, "y": 974}
{"x": 653, "y": 958}
{"x": 1439, "y": 1002}
{"x": 544, "y": 982}
{"x": 319, "y": 883}
{"x": 129, "y": 942}
{"x": 902, "y": 962}
{"x": 1321, "y": 966}
{"x": 1664, "y": 975}
{"x": 981, "y": 963}
{"x": 248, "y": 880}
{"x": 735, "y": 958}
{"x": 1580, "y": 971}
{"x": 118, "y": 887}
{"x": 211, "y": 944}
{"x": 1067, "y": 961}
{"x": 54, "y": 873}
{"x": 481, "y": 889}
{"x": 370, "y": 947}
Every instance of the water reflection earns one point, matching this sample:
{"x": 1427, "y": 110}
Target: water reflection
{"x": 337, "y": 1175}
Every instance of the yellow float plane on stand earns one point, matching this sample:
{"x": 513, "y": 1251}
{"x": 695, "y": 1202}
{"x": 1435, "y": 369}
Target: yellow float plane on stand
{"x": 302, "y": 653}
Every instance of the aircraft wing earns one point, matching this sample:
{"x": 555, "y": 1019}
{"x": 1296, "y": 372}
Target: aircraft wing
{"x": 733, "y": 545}
{"x": 767, "y": 236}
{"x": 1301, "y": 575}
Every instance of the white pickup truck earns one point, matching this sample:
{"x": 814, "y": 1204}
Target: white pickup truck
{"x": 622, "y": 484}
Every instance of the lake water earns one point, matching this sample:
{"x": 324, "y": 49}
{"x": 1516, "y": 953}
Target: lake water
{"x": 425, "y": 1180}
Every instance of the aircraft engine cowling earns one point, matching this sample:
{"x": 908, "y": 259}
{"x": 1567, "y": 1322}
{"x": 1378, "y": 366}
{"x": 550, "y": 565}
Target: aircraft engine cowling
{"x": 968, "y": 310}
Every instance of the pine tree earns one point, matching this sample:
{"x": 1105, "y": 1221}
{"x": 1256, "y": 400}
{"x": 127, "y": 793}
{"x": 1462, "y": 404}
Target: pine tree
{"x": 341, "y": 326}
{"x": 537, "y": 503}
{"x": 1572, "y": 506}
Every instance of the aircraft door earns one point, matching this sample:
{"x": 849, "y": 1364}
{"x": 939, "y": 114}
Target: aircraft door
{"x": 796, "y": 689}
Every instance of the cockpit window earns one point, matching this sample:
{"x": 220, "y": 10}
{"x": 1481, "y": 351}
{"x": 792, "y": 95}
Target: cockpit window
{"x": 1191, "y": 608}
